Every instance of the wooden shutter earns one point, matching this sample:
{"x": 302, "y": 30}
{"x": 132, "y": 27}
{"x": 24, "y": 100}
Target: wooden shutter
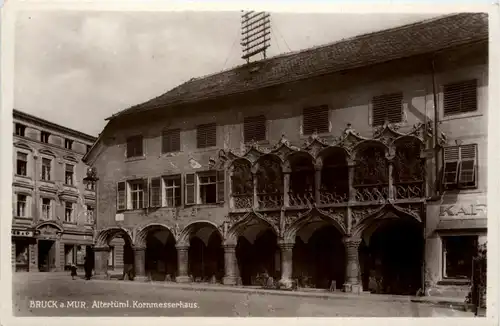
{"x": 451, "y": 165}
{"x": 206, "y": 135}
{"x": 387, "y": 107}
{"x": 145, "y": 195}
{"x": 190, "y": 186}
{"x": 254, "y": 128}
{"x": 171, "y": 141}
{"x": 121, "y": 196}
{"x": 315, "y": 119}
{"x": 134, "y": 146}
{"x": 220, "y": 186}
{"x": 155, "y": 192}
{"x": 468, "y": 165}
{"x": 460, "y": 97}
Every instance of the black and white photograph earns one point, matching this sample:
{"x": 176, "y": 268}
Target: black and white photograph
{"x": 249, "y": 162}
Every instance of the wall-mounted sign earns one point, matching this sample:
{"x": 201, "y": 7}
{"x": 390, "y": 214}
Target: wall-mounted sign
{"x": 462, "y": 210}
{"x": 16, "y": 233}
{"x": 119, "y": 217}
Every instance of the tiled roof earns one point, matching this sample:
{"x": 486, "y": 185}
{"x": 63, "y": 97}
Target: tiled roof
{"x": 364, "y": 50}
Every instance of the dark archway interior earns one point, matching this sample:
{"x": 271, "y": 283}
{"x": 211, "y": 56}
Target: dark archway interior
{"x": 393, "y": 258}
{"x": 121, "y": 251}
{"x": 335, "y": 172}
{"x": 206, "y": 261}
{"x": 321, "y": 260}
{"x": 258, "y": 258}
{"x": 161, "y": 255}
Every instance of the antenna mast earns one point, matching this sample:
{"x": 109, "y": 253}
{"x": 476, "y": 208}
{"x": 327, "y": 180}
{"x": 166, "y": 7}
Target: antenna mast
{"x": 255, "y": 33}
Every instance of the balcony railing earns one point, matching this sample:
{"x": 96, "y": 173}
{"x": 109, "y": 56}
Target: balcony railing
{"x": 274, "y": 200}
{"x": 409, "y": 190}
{"x": 365, "y": 193}
{"x": 297, "y": 199}
{"x": 327, "y": 197}
{"x": 242, "y": 201}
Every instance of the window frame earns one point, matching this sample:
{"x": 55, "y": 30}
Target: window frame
{"x": 24, "y": 161}
{"x": 50, "y": 211}
{"x": 20, "y": 127}
{"x": 90, "y": 213}
{"x": 459, "y": 112}
{"x": 171, "y": 135}
{"x": 72, "y": 174}
{"x": 45, "y": 137}
{"x": 135, "y": 153}
{"x": 26, "y": 205}
{"x": 143, "y": 192}
{"x": 315, "y": 110}
{"x": 206, "y": 128}
{"x": 43, "y": 175}
{"x": 72, "y": 212}
{"x": 251, "y": 122}
{"x": 68, "y": 143}
{"x": 176, "y": 189}
{"x": 445, "y": 244}
{"x": 121, "y": 190}
{"x": 458, "y": 183}
{"x": 384, "y": 99}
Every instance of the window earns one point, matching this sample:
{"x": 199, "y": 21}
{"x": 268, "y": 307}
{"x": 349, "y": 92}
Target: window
{"x": 21, "y": 205}
{"x": 111, "y": 257}
{"x": 68, "y": 212}
{"x": 171, "y": 141}
{"x": 134, "y": 146}
{"x": 460, "y": 166}
{"x": 46, "y": 209}
{"x": 46, "y": 164}
{"x": 315, "y": 120}
{"x": 387, "y": 108}
{"x": 22, "y": 164}
{"x": 20, "y": 130}
{"x": 155, "y": 192}
{"x": 69, "y": 173}
{"x": 44, "y": 137}
{"x": 90, "y": 185}
{"x": 68, "y": 144}
{"x": 254, "y": 128}
{"x": 138, "y": 194}
{"x": 173, "y": 191}
{"x": 90, "y": 214}
{"x": 460, "y": 97}
{"x": 121, "y": 196}
{"x": 458, "y": 252}
{"x": 206, "y": 135}
{"x": 210, "y": 188}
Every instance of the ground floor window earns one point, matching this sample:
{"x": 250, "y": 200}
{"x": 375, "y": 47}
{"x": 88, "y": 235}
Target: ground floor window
{"x": 22, "y": 255}
{"x": 458, "y": 252}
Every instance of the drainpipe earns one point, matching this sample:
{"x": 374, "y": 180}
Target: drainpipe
{"x": 436, "y": 131}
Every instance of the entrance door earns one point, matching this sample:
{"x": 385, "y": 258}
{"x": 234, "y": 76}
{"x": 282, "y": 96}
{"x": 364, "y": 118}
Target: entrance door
{"x": 46, "y": 255}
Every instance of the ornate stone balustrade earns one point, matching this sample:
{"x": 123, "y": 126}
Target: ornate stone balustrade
{"x": 305, "y": 198}
{"x": 411, "y": 190}
{"x": 242, "y": 201}
{"x": 270, "y": 200}
{"x": 332, "y": 197}
{"x": 371, "y": 193}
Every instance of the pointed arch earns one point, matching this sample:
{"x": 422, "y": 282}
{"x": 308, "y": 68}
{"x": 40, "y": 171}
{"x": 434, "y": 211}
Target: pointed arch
{"x": 143, "y": 231}
{"x": 248, "y": 220}
{"x": 315, "y": 215}
{"x": 364, "y": 145}
{"x": 107, "y": 234}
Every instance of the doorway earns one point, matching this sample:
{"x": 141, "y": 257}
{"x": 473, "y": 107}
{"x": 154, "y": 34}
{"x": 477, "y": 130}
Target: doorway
{"x": 46, "y": 255}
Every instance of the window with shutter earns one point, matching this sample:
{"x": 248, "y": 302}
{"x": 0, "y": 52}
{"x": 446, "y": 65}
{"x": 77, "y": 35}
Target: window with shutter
{"x": 254, "y": 128}
{"x": 451, "y": 164}
{"x": 121, "y": 197}
{"x": 171, "y": 141}
{"x": 468, "y": 166}
{"x": 134, "y": 146}
{"x": 460, "y": 97}
{"x": 220, "y": 186}
{"x": 145, "y": 198}
{"x": 173, "y": 191}
{"x": 155, "y": 192}
{"x": 206, "y": 135}
{"x": 387, "y": 107}
{"x": 315, "y": 119}
{"x": 190, "y": 184}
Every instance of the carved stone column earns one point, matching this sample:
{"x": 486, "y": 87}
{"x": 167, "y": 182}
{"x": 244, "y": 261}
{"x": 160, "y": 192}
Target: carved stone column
{"x": 230, "y": 265}
{"x": 352, "y": 272}
{"x": 101, "y": 261}
{"x": 286, "y": 188}
{"x": 286, "y": 264}
{"x": 391, "y": 180}
{"x": 140, "y": 261}
{"x": 351, "y": 169}
{"x": 255, "y": 189}
{"x": 318, "y": 167}
{"x": 182, "y": 263}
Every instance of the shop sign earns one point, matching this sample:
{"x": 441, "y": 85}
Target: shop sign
{"x": 465, "y": 210}
{"x": 22, "y": 233}
{"x": 119, "y": 217}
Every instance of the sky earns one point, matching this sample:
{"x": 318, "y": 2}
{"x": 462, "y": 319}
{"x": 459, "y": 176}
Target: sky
{"x": 77, "y": 68}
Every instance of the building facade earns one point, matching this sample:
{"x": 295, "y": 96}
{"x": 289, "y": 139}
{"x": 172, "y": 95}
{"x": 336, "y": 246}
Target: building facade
{"x": 330, "y": 167}
{"x": 53, "y": 210}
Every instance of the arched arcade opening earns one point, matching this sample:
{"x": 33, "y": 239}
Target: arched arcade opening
{"x": 160, "y": 253}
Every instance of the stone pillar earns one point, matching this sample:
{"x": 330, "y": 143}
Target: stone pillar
{"x": 391, "y": 180}
{"x": 33, "y": 257}
{"x": 352, "y": 273}
{"x": 101, "y": 261}
{"x": 140, "y": 262}
{"x": 286, "y": 264}
{"x": 317, "y": 182}
{"x": 182, "y": 263}
{"x": 230, "y": 265}
{"x": 352, "y": 190}
{"x": 286, "y": 188}
{"x": 255, "y": 187}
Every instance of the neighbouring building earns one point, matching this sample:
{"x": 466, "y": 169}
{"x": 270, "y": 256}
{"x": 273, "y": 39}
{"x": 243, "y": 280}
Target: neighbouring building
{"x": 329, "y": 166}
{"x": 53, "y": 210}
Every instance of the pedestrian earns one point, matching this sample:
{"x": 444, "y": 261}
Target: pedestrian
{"x": 73, "y": 271}
{"x": 87, "y": 265}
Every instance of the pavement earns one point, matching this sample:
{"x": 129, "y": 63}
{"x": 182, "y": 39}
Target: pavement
{"x": 56, "y": 294}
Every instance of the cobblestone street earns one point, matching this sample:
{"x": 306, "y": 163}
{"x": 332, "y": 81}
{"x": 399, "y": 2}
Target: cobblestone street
{"x": 27, "y": 288}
